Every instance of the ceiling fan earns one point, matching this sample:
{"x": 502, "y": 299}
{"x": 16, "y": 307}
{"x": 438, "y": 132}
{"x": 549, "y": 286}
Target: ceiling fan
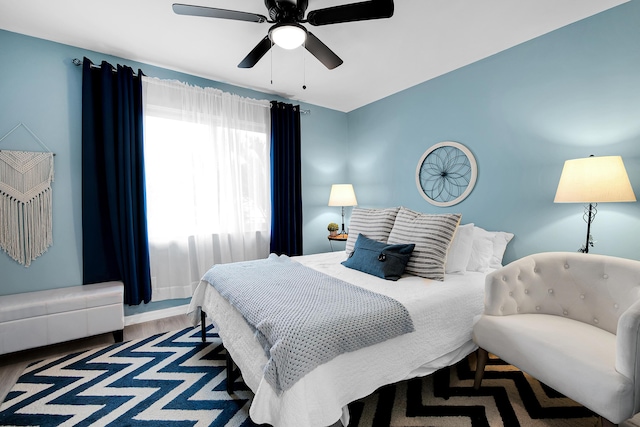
{"x": 288, "y": 17}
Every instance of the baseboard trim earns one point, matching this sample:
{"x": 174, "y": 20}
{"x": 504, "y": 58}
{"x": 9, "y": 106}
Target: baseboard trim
{"x": 155, "y": 315}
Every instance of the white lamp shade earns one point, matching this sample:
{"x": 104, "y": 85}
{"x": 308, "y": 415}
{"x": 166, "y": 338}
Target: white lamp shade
{"x": 594, "y": 180}
{"x": 288, "y": 36}
{"x": 342, "y": 195}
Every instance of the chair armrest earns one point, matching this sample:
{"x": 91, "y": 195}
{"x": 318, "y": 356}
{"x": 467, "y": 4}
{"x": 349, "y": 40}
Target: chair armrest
{"x": 498, "y": 293}
{"x": 628, "y": 347}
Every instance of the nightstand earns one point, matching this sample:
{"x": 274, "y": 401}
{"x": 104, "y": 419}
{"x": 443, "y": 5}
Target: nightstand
{"x": 337, "y": 238}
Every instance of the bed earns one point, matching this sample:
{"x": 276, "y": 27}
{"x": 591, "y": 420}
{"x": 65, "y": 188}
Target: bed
{"x": 442, "y": 313}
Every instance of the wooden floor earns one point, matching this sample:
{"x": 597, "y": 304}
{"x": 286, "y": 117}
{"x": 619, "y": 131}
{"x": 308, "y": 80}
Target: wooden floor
{"x": 13, "y": 364}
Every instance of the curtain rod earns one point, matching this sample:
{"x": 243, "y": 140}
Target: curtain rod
{"x": 78, "y": 62}
{"x": 299, "y": 109}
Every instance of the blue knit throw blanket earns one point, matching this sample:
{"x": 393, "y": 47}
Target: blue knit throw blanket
{"x": 304, "y": 318}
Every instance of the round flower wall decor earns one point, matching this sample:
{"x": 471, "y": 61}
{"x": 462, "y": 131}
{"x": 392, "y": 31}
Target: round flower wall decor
{"x": 446, "y": 173}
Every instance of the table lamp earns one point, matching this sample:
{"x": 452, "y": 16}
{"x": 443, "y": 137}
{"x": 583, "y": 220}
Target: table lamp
{"x": 342, "y": 195}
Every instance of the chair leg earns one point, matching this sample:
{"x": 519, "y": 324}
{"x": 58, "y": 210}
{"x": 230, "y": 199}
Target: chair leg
{"x": 481, "y": 361}
{"x": 606, "y": 423}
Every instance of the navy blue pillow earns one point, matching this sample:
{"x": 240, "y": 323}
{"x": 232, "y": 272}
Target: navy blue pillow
{"x": 379, "y": 259}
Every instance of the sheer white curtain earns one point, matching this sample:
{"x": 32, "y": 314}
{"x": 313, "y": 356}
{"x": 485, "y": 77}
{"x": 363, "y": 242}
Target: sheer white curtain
{"x": 207, "y": 175}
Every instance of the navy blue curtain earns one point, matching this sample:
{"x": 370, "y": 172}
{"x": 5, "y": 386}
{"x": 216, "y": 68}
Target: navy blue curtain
{"x": 114, "y": 227}
{"x": 286, "y": 182}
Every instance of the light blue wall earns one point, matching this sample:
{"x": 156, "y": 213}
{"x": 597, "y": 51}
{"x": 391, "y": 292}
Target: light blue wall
{"x": 522, "y": 112}
{"x": 40, "y": 87}
{"x": 322, "y": 165}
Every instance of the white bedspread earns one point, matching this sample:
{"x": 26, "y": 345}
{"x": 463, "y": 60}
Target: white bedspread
{"x": 442, "y": 314}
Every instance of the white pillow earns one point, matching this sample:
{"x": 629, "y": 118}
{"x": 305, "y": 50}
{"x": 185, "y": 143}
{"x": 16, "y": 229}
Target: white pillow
{"x": 460, "y": 250}
{"x": 500, "y": 241}
{"x": 376, "y": 224}
{"x": 481, "y": 252}
{"x": 432, "y": 235}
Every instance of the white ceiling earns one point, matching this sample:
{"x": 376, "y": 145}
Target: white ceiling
{"x": 424, "y": 39}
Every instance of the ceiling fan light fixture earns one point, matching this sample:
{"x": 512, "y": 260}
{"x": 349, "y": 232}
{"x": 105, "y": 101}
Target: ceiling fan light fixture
{"x": 288, "y": 36}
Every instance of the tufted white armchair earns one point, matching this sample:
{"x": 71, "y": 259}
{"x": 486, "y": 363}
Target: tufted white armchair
{"x": 572, "y": 321}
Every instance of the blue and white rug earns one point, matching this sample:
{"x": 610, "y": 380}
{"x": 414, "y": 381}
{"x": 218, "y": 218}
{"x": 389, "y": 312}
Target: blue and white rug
{"x": 172, "y": 379}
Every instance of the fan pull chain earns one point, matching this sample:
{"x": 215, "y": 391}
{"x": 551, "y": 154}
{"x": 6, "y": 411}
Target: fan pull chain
{"x": 304, "y": 67}
{"x": 271, "y": 58}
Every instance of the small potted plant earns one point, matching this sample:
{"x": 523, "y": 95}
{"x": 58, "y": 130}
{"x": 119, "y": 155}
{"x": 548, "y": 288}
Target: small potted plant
{"x": 333, "y": 229}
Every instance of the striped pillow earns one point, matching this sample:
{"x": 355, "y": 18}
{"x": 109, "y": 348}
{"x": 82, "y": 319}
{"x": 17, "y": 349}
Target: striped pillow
{"x": 376, "y": 224}
{"x": 432, "y": 235}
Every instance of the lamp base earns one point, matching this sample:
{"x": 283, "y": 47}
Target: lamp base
{"x": 589, "y": 215}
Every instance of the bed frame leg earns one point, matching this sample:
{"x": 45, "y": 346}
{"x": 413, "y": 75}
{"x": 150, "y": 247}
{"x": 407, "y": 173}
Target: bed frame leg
{"x": 482, "y": 356}
{"x": 441, "y": 382}
{"x": 203, "y": 326}
{"x": 230, "y": 373}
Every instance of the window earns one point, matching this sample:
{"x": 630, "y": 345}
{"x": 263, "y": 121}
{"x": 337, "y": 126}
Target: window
{"x": 207, "y": 176}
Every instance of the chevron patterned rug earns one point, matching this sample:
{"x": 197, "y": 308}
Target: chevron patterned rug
{"x": 174, "y": 379}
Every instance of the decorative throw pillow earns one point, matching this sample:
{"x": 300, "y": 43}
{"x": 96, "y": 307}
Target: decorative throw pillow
{"x": 376, "y": 224}
{"x": 432, "y": 235}
{"x": 460, "y": 250}
{"x": 378, "y": 258}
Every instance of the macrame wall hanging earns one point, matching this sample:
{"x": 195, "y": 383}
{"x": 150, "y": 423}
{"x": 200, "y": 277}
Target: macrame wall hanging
{"x": 26, "y": 226}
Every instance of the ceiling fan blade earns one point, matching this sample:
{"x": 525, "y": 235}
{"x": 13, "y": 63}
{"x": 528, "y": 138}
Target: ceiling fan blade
{"x": 322, "y": 52}
{"x": 212, "y": 12}
{"x": 373, "y": 9}
{"x": 256, "y": 54}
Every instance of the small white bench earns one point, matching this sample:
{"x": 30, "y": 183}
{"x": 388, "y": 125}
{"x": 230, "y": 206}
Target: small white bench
{"x": 35, "y": 319}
